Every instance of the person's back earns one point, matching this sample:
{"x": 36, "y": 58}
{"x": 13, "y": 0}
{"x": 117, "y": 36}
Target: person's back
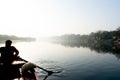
{"x": 7, "y": 53}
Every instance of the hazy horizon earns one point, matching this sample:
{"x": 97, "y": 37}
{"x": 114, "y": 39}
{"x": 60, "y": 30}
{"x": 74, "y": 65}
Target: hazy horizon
{"x": 41, "y": 18}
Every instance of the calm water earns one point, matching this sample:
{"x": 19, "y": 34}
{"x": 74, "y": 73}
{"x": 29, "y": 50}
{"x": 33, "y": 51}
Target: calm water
{"x": 76, "y": 63}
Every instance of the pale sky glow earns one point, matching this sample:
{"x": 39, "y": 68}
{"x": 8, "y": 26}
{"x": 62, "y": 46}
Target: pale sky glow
{"x": 56, "y": 17}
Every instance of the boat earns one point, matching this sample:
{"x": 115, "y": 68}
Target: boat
{"x": 19, "y": 70}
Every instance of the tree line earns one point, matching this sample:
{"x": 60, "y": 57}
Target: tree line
{"x": 100, "y": 41}
{"x": 14, "y": 38}
{"x": 98, "y": 37}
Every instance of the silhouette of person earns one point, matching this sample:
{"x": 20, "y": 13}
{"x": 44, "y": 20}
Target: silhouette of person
{"x": 8, "y": 53}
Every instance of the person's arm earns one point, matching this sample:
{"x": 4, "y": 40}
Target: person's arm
{"x": 16, "y": 52}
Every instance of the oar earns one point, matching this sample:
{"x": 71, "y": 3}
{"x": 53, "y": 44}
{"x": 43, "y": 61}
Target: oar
{"x": 49, "y": 72}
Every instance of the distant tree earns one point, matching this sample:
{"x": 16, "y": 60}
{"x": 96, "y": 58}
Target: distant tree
{"x": 118, "y": 29}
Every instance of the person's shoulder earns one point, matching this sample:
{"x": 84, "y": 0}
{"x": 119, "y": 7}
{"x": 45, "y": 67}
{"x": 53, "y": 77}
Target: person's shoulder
{"x": 2, "y": 47}
{"x": 12, "y": 47}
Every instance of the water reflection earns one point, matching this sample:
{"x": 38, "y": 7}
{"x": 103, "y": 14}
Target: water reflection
{"x": 81, "y": 64}
{"x": 101, "y": 48}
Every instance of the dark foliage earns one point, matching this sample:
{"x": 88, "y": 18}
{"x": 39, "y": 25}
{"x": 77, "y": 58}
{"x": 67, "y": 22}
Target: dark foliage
{"x": 3, "y": 38}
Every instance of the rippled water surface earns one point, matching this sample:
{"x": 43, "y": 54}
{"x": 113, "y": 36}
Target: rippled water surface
{"x": 76, "y": 63}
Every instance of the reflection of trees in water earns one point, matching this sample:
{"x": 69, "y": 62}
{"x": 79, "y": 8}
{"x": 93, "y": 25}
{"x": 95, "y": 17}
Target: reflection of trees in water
{"x": 101, "y": 48}
{"x": 100, "y": 41}
{"x": 69, "y": 44}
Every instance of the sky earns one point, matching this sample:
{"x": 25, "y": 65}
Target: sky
{"x": 36, "y": 18}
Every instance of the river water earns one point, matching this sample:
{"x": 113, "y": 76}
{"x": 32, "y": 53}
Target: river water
{"x": 76, "y": 63}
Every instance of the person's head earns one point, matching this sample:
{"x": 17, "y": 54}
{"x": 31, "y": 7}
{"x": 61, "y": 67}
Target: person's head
{"x": 8, "y": 43}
